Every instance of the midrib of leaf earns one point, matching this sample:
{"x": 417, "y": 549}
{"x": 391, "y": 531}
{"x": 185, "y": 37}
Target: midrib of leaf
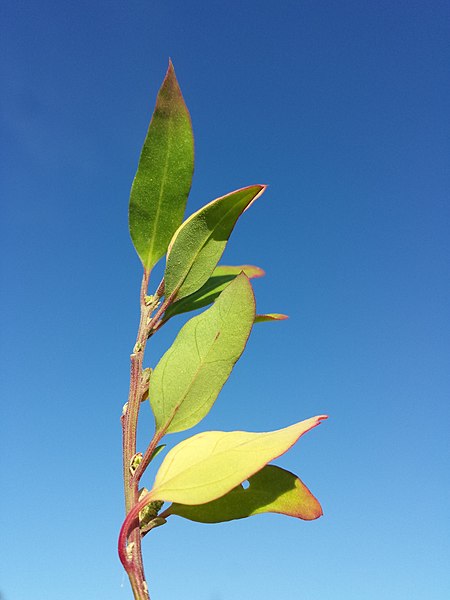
{"x": 161, "y": 191}
{"x": 202, "y": 363}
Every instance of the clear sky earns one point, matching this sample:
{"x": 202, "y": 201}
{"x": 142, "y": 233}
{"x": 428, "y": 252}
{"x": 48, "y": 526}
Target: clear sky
{"x": 343, "y": 109}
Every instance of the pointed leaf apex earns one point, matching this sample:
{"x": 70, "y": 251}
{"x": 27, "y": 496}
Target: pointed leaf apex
{"x": 257, "y": 273}
{"x": 270, "y": 317}
{"x": 170, "y": 78}
{"x": 170, "y": 70}
{"x": 262, "y": 187}
{"x": 313, "y": 422}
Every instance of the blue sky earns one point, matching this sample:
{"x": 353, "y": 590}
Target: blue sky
{"x": 342, "y": 108}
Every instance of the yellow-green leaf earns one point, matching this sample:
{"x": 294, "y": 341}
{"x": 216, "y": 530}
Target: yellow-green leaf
{"x": 199, "y": 242}
{"x": 270, "y": 317}
{"x": 221, "y": 277}
{"x": 164, "y": 174}
{"x": 272, "y": 489}
{"x": 187, "y": 380}
{"x": 208, "y": 465}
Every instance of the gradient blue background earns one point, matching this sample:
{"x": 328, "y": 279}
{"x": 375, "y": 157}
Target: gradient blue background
{"x": 343, "y": 108}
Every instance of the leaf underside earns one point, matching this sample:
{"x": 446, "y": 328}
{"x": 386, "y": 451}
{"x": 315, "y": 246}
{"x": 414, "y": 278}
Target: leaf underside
{"x": 199, "y": 242}
{"x": 271, "y": 490}
{"x": 220, "y": 278}
{"x": 190, "y": 375}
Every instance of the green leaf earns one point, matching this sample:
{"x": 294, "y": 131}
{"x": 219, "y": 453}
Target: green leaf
{"x": 221, "y": 277}
{"x": 157, "y": 451}
{"x": 272, "y": 489}
{"x": 208, "y": 465}
{"x": 199, "y": 242}
{"x": 163, "y": 178}
{"x": 270, "y": 317}
{"x": 190, "y": 375}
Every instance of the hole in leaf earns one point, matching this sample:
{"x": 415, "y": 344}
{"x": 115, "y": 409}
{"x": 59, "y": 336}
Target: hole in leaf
{"x": 246, "y": 484}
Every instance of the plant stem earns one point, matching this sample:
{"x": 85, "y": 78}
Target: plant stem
{"x": 135, "y": 567}
{"x": 126, "y": 532}
{"x": 130, "y": 551}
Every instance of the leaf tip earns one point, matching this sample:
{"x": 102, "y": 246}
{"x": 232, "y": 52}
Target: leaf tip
{"x": 170, "y": 68}
{"x": 270, "y": 317}
{"x": 319, "y": 419}
{"x": 252, "y": 271}
{"x": 262, "y": 188}
{"x": 257, "y": 273}
{"x": 313, "y": 422}
{"x": 170, "y": 84}
{"x": 314, "y": 512}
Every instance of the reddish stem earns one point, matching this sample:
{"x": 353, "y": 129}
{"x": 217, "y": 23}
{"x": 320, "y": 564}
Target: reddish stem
{"x": 127, "y": 527}
{"x": 132, "y": 560}
{"x": 135, "y": 567}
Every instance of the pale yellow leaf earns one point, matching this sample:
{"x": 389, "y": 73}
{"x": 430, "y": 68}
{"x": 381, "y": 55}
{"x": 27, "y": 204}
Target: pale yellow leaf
{"x": 208, "y": 465}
